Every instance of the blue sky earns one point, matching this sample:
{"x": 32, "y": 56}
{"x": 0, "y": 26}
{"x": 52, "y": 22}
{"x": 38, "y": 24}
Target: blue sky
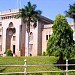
{"x": 49, "y": 8}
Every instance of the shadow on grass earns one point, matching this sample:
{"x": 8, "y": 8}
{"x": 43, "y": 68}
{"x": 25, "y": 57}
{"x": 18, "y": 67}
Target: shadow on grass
{"x": 24, "y": 74}
{"x": 2, "y": 69}
{"x": 70, "y": 67}
{"x": 35, "y": 74}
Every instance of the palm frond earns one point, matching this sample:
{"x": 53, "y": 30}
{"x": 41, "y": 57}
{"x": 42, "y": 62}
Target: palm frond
{"x": 28, "y": 13}
{"x": 29, "y": 4}
{"x": 71, "y": 12}
{"x": 34, "y": 7}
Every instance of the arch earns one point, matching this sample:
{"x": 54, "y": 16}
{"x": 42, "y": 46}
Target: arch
{"x": 9, "y": 33}
{"x": 11, "y": 28}
{"x": 10, "y": 24}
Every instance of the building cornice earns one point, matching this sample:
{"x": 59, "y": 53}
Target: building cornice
{"x": 45, "y": 19}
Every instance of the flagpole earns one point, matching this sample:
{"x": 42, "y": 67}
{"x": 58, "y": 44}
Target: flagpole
{"x": 17, "y": 4}
{"x": 20, "y": 4}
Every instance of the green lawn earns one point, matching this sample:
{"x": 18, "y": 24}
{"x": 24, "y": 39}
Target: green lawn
{"x": 30, "y": 61}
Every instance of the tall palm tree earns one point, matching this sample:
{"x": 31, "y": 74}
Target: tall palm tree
{"x": 29, "y": 14}
{"x": 71, "y": 13}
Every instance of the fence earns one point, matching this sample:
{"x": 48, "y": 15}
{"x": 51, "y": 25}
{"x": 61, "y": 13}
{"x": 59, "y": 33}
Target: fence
{"x": 25, "y": 67}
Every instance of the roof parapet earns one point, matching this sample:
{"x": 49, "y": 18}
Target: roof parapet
{"x": 14, "y": 11}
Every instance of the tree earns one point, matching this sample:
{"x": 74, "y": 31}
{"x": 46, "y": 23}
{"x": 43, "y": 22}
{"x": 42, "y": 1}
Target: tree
{"x": 29, "y": 14}
{"x": 71, "y": 13}
{"x": 61, "y": 42}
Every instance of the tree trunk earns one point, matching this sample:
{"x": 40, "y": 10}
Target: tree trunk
{"x": 61, "y": 61}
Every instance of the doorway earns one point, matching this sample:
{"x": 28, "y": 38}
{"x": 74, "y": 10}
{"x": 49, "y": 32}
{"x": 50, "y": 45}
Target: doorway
{"x": 13, "y": 49}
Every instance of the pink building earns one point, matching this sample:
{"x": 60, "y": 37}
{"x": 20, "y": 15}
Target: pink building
{"x": 13, "y": 34}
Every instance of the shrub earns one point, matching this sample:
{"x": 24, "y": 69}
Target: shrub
{"x": 44, "y": 54}
{"x": 9, "y": 52}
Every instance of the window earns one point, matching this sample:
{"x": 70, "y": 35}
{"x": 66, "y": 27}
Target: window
{"x": 20, "y": 27}
{"x": 2, "y": 18}
{"x": 0, "y": 24}
{"x": 10, "y": 24}
{"x": 6, "y": 17}
{"x": 46, "y": 37}
{"x": 14, "y": 38}
{"x": 10, "y": 17}
{"x": 14, "y": 49}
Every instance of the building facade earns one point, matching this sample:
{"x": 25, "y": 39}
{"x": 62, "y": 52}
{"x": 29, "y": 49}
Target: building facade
{"x": 13, "y": 34}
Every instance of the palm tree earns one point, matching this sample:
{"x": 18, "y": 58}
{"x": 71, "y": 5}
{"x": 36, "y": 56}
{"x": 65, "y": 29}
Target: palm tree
{"x": 71, "y": 13}
{"x": 29, "y": 14}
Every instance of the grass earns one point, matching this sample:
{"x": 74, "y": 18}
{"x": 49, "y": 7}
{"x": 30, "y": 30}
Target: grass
{"x": 30, "y": 61}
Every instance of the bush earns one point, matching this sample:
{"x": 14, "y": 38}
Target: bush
{"x": 9, "y": 52}
{"x": 44, "y": 54}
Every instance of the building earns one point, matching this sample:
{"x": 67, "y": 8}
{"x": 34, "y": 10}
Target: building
{"x": 13, "y": 34}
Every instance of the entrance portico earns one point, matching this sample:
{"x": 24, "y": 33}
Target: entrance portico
{"x": 9, "y": 35}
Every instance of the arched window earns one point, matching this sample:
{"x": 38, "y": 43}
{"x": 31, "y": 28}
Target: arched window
{"x": 10, "y": 24}
{"x": 11, "y": 29}
{"x": 31, "y": 36}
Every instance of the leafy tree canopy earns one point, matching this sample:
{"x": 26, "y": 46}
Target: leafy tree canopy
{"x": 61, "y": 42}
